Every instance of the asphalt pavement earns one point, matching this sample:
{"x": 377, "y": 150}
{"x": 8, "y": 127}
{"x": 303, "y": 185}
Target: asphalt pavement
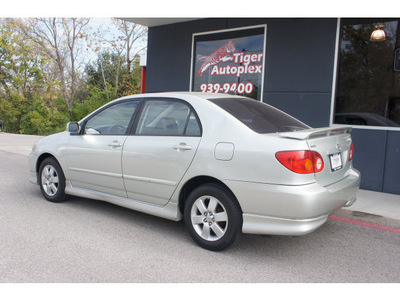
{"x": 89, "y": 241}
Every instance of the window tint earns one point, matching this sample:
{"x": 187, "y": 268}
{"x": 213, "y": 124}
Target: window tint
{"x": 193, "y": 128}
{"x": 113, "y": 120}
{"x": 167, "y": 118}
{"x": 368, "y": 83}
{"x": 258, "y": 116}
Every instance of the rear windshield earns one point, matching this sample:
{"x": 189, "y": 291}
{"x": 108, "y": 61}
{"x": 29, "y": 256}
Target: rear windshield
{"x": 258, "y": 116}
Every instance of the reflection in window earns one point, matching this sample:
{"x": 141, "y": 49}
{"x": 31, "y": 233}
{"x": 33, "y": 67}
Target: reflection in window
{"x": 167, "y": 118}
{"x": 112, "y": 121}
{"x": 368, "y": 90}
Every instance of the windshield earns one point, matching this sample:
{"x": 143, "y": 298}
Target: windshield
{"x": 258, "y": 116}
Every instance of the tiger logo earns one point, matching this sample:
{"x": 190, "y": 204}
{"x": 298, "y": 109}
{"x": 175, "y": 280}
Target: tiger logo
{"x": 221, "y": 54}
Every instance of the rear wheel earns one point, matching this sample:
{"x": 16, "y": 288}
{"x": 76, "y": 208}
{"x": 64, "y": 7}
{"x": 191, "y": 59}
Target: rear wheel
{"x": 52, "y": 180}
{"x": 213, "y": 217}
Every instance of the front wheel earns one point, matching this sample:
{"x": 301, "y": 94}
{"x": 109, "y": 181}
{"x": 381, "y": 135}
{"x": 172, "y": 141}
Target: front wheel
{"x": 213, "y": 217}
{"x": 52, "y": 180}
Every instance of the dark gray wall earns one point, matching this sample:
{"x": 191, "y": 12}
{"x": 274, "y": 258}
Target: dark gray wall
{"x": 298, "y": 77}
{"x": 299, "y": 61}
{"x": 377, "y": 157}
{"x": 169, "y": 52}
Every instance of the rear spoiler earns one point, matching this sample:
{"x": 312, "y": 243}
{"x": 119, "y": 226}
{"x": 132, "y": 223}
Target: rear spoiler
{"x": 315, "y": 133}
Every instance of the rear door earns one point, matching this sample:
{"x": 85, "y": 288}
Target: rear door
{"x": 158, "y": 154}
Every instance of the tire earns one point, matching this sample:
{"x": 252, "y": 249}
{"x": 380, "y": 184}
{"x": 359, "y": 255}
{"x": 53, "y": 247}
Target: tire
{"x": 52, "y": 181}
{"x": 213, "y": 217}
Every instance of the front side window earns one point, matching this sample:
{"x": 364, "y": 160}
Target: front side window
{"x": 167, "y": 118}
{"x": 368, "y": 83}
{"x": 258, "y": 116}
{"x": 113, "y": 120}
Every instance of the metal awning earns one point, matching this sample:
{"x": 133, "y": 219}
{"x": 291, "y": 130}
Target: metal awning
{"x": 150, "y": 22}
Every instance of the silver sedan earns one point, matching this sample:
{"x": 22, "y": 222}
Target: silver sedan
{"x": 225, "y": 164}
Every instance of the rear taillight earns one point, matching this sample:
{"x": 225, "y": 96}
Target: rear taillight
{"x": 303, "y": 162}
{"x": 351, "y": 152}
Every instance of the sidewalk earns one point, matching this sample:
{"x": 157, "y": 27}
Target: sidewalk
{"x": 17, "y": 143}
{"x": 381, "y": 204}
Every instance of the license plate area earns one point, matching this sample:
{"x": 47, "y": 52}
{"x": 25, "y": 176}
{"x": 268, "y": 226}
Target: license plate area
{"x": 336, "y": 162}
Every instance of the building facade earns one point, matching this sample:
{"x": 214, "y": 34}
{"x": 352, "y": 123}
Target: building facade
{"x": 325, "y": 72}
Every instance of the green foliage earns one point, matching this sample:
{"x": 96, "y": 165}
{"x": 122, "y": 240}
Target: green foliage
{"x": 40, "y": 119}
{"x": 130, "y": 83}
{"x": 31, "y": 94}
{"x": 96, "y": 98}
{"x": 10, "y": 112}
{"x": 31, "y": 116}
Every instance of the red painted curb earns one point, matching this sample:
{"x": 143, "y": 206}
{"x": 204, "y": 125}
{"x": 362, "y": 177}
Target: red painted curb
{"x": 366, "y": 224}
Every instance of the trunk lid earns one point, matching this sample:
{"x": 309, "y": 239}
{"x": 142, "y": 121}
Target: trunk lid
{"x": 334, "y": 146}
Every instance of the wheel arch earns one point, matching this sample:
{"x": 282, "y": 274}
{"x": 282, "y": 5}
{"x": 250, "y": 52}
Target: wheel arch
{"x": 41, "y": 158}
{"x": 197, "y": 181}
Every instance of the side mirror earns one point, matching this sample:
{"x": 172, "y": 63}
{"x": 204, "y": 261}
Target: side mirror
{"x": 73, "y": 127}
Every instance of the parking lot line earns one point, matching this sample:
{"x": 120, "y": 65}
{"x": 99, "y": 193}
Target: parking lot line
{"x": 366, "y": 224}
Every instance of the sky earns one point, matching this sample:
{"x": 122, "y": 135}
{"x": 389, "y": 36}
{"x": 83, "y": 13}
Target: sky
{"x": 109, "y": 31}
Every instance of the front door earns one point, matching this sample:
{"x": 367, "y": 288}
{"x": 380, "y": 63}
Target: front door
{"x": 94, "y": 157}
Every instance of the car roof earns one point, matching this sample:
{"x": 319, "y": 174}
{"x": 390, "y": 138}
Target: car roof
{"x": 180, "y": 94}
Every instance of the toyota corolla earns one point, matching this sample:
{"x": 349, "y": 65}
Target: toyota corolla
{"x": 225, "y": 164}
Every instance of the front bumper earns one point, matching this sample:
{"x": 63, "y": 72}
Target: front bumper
{"x": 32, "y": 159}
{"x": 33, "y": 178}
{"x": 292, "y": 210}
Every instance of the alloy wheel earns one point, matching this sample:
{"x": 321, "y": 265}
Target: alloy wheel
{"x": 209, "y": 218}
{"x": 50, "y": 180}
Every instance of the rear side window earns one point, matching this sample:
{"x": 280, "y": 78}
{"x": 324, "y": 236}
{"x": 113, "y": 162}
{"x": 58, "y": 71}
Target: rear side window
{"x": 167, "y": 118}
{"x": 258, "y": 116}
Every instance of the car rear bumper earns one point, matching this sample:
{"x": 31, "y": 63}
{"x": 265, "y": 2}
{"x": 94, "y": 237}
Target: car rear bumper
{"x": 257, "y": 224}
{"x": 292, "y": 210}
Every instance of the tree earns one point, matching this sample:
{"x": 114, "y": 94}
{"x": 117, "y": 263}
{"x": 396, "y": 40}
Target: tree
{"x": 104, "y": 73}
{"x": 58, "y": 38}
{"x": 44, "y": 81}
{"x": 131, "y": 34}
{"x": 122, "y": 51}
{"x": 27, "y": 92}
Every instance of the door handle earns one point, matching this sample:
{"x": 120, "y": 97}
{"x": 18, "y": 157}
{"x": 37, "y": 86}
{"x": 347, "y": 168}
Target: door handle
{"x": 115, "y": 144}
{"x": 182, "y": 147}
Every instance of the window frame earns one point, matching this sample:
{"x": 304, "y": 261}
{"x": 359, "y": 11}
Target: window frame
{"x": 107, "y": 106}
{"x": 142, "y": 106}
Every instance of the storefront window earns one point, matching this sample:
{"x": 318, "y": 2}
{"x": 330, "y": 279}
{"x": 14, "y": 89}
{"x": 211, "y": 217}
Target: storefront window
{"x": 230, "y": 62}
{"x": 368, "y": 82}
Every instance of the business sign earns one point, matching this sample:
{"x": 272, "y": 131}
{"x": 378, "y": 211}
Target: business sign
{"x": 230, "y": 62}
